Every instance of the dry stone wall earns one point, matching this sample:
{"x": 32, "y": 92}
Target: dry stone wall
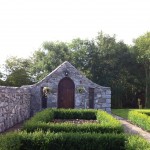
{"x": 102, "y": 95}
{"x": 18, "y": 104}
{"x": 14, "y": 106}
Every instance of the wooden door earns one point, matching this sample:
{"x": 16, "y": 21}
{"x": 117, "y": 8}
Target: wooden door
{"x": 66, "y": 90}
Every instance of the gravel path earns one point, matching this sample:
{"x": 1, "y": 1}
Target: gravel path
{"x": 132, "y": 129}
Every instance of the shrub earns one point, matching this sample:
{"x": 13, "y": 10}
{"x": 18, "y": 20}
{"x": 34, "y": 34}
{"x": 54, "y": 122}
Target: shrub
{"x": 46, "y": 115}
{"x": 10, "y": 141}
{"x": 107, "y": 124}
{"x": 140, "y": 118}
{"x": 108, "y": 121}
{"x": 136, "y": 143}
{"x": 68, "y": 127}
{"x": 75, "y": 114}
{"x": 62, "y": 141}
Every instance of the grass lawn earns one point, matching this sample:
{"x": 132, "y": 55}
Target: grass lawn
{"x": 122, "y": 112}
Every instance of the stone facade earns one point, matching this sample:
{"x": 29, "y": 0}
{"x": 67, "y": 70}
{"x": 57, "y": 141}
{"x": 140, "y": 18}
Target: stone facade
{"x": 18, "y": 104}
{"x": 102, "y": 95}
{"x": 14, "y": 106}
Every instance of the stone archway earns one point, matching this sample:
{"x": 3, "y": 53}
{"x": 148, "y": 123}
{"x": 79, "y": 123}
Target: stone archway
{"x": 66, "y": 92}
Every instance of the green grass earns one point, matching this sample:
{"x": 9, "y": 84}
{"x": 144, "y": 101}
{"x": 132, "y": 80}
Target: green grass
{"x": 122, "y": 112}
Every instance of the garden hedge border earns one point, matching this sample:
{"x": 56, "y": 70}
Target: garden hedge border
{"x": 39, "y": 140}
{"x": 140, "y": 118}
{"x": 41, "y": 121}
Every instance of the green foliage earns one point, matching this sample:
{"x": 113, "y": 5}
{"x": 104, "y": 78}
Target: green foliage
{"x": 10, "y": 141}
{"x": 46, "y": 59}
{"x": 104, "y": 60}
{"x": 42, "y": 121}
{"x": 75, "y": 114}
{"x": 69, "y": 127}
{"x": 140, "y": 118}
{"x": 108, "y": 121}
{"x": 69, "y": 136}
{"x": 45, "y": 116}
{"x": 142, "y": 51}
{"x": 17, "y": 72}
{"x": 62, "y": 141}
{"x": 121, "y": 112}
{"x": 136, "y": 143}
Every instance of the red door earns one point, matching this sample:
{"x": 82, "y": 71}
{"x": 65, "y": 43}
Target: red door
{"x": 66, "y": 90}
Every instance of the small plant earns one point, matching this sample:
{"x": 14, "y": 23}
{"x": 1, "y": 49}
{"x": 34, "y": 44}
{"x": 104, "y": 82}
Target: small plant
{"x": 46, "y": 90}
{"x": 81, "y": 89}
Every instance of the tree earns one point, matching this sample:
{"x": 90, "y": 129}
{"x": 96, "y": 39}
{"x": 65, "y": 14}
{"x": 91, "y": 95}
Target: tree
{"x": 142, "y": 51}
{"x": 47, "y": 58}
{"x": 17, "y": 72}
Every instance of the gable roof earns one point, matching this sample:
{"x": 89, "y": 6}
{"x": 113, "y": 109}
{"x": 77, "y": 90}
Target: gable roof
{"x": 66, "y": 65}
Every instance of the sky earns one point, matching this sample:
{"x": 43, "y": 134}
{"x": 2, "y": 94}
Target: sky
{"x": 26, "y": 24}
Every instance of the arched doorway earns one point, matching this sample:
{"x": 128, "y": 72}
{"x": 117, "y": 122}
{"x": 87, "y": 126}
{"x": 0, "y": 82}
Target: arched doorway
{"x": 66, "y": 90}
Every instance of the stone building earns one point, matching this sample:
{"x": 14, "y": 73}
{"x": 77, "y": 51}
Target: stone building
{"x": 65, "y": 87}
{"x": 69, "y": 88}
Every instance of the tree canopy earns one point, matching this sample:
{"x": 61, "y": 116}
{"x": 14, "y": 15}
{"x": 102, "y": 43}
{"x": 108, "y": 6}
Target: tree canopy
{"x": 104, "y": 60}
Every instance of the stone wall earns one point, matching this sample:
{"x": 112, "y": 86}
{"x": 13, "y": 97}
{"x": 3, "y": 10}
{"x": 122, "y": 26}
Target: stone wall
{"x": 102, "y": 95}
{"x": 18, "y": 104}
{"x": 14, "y": 106}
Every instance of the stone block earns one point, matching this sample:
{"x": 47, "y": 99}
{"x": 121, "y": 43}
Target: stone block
{"x": 103, "y": 105}
{"x": 102, "y": 100}
{"x": 108, "y": 109}
{"x": 107, "y": 96}
{"x": 2, "y": 119}
{"x": 108, "y": 92}
{"x": 108, "y": 101}
{"x": 3, "y": 104}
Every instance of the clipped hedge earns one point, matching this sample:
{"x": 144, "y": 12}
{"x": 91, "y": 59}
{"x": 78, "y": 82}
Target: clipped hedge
{"x": 71, "y": 141}
{"x": 135, "y": 142}
{"x": 46, "y": 115}
{"x": 87, "y": 114}
{"x": 107, "y": 124}
{"x": 63, "y": 141}
{"x": 140, "y": 118}
{"x": 68, "y": 127}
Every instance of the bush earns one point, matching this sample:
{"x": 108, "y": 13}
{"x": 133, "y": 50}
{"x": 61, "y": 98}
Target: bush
{"x": 87, "y": 114}
{"x": 140, "y": 118}
{"x": 46, "y": 115}
{"x": 107, "y": 124}
{"x": 68, "y": 127}
{"x": 136, "y": 143}
{"x": 10, "y": 141}
{"x": 63, "y": 141}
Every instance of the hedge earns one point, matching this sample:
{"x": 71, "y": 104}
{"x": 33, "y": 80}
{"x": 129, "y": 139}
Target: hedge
{"x": 107, "y": 124}
{"x": 140, "y": 118}
{"x": 68, "y": 127}
{"x": 62, "y": 141}
{"x": 87, "y": 114}
{"x": 72, "y": 141}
